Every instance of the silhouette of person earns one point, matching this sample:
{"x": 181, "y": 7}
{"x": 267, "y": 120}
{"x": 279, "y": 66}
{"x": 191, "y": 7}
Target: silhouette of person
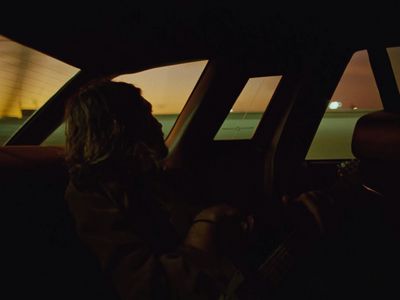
{"x": 114, "y": 151}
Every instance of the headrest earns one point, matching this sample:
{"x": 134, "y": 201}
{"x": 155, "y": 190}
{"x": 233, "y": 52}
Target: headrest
{"x": 377, "y": 136}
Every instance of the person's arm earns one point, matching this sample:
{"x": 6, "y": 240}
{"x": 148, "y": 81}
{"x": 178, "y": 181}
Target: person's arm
{"x": 202, "y": 234}
{"x": 192, "y": 271}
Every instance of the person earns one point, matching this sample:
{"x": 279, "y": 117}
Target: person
{"x": 114, "y": 152}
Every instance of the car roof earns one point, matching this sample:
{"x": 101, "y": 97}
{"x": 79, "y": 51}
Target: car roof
{"x": 128, "y": 36}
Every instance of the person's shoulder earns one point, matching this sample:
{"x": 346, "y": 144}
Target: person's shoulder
{"x": 100, "y": 195}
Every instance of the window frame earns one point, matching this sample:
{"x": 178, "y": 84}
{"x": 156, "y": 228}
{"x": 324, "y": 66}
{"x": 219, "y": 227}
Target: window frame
{"x": 340, "y": 156}
{"x": 384, "y": 77}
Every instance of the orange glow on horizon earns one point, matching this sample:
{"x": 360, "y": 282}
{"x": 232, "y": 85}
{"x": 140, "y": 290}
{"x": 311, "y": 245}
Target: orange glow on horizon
{"x": 357, "y": 87}
{"x": 167, "y": 88}
{"x": 28, "y": 78}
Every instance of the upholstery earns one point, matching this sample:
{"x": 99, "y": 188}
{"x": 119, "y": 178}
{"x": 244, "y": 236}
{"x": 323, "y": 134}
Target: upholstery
{"x": 377, "y": 136}
{"x": 376, "y": 143}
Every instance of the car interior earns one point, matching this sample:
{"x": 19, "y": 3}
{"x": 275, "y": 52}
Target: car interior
{"x": 306, "y": 55}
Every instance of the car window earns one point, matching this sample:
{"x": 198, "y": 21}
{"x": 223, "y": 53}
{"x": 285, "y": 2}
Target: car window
{"x": 394, "y": 56}
{"x": 355, "y": 95}
{"x": 28, "y": 79}
{"x": 166, "y": 88}
{"x": 246, "y": 113}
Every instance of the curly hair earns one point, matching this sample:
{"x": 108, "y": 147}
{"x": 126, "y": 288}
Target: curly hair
{"x": 111, "y": 123}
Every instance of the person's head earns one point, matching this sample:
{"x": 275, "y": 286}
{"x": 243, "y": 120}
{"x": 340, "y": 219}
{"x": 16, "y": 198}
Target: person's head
{"x": 111, "y": 121}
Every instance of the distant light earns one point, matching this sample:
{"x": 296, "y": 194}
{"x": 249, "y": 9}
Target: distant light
{"x": 232, "y": 110}
{"x": 355, "y": 107}
{"x": 335, "y": 105}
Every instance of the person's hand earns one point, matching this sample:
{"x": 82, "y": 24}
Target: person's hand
{"x": 233, "y": 228}
{"x": 217, "y": 212}
{"x": 224, "y": 213}
{"x": 221, "y": 227}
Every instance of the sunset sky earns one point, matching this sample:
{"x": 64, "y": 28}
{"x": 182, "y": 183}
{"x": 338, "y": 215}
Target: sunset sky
{"x": 29, "y": 78}
{"x": 357, "y": 87}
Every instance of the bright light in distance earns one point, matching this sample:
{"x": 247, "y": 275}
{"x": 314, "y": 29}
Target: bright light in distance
{"x": 335, "y": 105}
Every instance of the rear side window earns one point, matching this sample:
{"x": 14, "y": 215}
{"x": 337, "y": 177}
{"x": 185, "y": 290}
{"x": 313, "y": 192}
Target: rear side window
{"x": 355, "y": 95}
{"x": 166, "y": 88}
{"x": 28, "y": 79}
{"x": 246, "y": 113}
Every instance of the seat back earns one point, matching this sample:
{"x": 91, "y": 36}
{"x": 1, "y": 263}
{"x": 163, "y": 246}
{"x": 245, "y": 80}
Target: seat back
{"x": 360, "y": 213}
{"x": 369, "y": 209}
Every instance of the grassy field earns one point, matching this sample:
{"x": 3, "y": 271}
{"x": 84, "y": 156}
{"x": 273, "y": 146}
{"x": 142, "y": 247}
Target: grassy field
{"x": 332, "y": 141}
